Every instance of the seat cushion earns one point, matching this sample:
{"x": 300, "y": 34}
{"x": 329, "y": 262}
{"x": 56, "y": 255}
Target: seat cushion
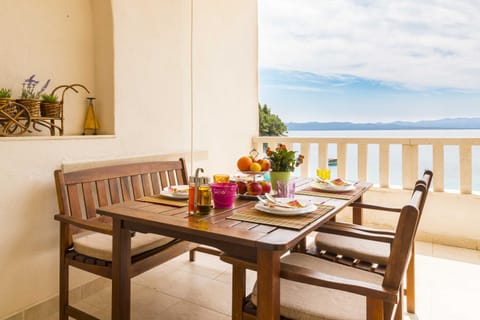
{"x": 366, "y": 250}
{"x": 99, "y": 245}
{"x": 307, "y": 302}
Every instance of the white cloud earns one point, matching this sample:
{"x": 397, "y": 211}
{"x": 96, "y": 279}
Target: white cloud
{"x": 415, "y": 43}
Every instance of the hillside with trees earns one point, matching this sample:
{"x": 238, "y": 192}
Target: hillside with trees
{"x": 270, "y": 124}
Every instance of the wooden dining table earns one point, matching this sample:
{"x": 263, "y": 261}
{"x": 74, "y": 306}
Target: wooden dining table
{"x": 257, "y": 243}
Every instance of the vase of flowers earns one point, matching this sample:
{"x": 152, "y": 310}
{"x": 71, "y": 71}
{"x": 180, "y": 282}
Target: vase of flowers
{"x": 30, "y": 97}
{"x": 283, "y": 162}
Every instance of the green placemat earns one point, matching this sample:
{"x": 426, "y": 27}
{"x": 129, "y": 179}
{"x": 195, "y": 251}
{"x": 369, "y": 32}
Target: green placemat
{"x": 292, "y": 222}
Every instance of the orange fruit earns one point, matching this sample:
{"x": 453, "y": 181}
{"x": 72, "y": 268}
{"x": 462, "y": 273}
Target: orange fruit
{"x": 255, "y": 166}
{"x": 244, "y": 163}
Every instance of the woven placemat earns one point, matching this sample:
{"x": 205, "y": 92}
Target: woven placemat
{"x": 309, "y": 191}
{"x": 160, "y": 200}
{"x": 292, "y": 222}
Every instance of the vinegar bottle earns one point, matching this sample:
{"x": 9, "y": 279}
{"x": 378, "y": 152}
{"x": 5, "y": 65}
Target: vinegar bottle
{"x": 204, "y": 198}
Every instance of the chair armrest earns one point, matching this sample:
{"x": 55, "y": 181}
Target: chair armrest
{"x": 357, "y": 233}
{"x": 97, "y": 225}
{"x": 308, "y": 276}
{"x": 374, "y": 207}
{"x": 335, "y": 224}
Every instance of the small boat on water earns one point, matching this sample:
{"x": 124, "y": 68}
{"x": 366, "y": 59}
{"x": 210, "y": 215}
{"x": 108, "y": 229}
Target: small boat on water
{"x": 332, "y": 161}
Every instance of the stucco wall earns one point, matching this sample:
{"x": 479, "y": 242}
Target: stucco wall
{"x": 148, "y": 87}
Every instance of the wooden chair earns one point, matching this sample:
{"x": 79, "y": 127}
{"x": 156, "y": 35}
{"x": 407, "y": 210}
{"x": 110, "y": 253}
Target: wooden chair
{"x": 315, "y": 288}
{"x": 356, "y": 246}
{"x": 85, "y": 238}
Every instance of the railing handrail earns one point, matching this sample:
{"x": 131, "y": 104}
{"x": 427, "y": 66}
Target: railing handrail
{"x": 410, "y": 156}
{"x": 373, "y": 140}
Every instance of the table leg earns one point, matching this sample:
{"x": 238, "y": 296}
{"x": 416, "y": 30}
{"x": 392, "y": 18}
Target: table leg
{"x": 238, "y": 291}
{"x": 357, "y": 216}
{"x": 120, "y": 272}
{"x": 268, "y": 284}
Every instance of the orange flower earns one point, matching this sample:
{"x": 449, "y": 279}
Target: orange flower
{"x": 282, "y": 159}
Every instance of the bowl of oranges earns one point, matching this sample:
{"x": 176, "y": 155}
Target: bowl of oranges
{"x": 250, "y": 165}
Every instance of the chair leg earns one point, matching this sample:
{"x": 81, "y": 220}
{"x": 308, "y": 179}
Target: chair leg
{"x": 399, "y": 310}
{"x": 191, "y": 254}
{"x": 63, "y": 294}
{"x": 375, "y": 309}
{"x": 410, "y": 292}
{"x": 63, "y": 273}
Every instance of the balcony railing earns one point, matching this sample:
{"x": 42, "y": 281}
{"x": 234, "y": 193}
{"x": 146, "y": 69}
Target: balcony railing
{"x": 359, "y": 155}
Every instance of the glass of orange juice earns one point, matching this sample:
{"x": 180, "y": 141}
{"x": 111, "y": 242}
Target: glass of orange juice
{"x": 323, "y": 174}
{"x": 221, "y": 178}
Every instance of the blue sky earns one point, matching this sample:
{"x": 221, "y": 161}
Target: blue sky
{"x": 369, "y": 61}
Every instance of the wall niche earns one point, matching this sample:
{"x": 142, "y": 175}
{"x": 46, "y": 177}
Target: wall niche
{"x": 67, "y": 42}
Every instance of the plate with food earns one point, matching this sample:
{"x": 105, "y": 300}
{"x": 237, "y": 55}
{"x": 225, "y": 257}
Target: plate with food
{"x": 286, "y": 207}
{"x": 337, "y": 185}
{"x": 176, "y": 192}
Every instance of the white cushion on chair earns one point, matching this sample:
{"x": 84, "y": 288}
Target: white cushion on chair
{"x": 367, "y": 250}
{"x": 99, "y": 245}
{"x": 307, "y": 302}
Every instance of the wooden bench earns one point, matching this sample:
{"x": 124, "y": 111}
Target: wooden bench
{"x": 82, "y": 232}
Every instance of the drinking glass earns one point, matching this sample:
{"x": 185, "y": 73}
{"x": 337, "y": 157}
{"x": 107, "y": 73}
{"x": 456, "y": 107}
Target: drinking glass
{"x": 286, "y": 189}
{"x": 323, "y": 174}
{"x": 217, "y": 178}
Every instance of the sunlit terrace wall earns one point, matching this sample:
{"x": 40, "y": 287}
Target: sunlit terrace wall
{"x": 148, "y": 86}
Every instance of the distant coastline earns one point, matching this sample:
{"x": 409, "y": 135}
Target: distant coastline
{"x": 444, "y": 124}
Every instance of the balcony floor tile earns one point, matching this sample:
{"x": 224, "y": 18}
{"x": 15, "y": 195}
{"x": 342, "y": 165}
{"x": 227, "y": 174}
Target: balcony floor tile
{"x": 447, "y": 287}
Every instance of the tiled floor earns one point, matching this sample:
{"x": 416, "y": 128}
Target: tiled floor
{"x": 448, "y": 287}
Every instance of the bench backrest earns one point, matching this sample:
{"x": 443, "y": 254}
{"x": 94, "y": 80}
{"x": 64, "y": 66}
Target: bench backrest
{"x": 81, "y": 192}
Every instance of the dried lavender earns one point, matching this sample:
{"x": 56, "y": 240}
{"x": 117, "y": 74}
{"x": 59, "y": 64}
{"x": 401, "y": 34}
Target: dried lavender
{"x": 28, "y": 88}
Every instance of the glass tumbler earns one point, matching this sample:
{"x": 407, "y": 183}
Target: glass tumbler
{"x": 286, "y": 189}
{"x": 323, "y": 174}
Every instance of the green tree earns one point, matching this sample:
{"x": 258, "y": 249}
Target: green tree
{"x": 269, "y": 124}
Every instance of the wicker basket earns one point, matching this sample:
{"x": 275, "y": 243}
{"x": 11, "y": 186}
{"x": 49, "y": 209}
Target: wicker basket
{"x": 32, "y": 105}
{"x": 51, "y": 110}
{"x": 7, "y": 106}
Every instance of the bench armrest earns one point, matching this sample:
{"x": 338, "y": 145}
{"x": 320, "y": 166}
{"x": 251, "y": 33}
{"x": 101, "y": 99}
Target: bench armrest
{"x": 97, "y": 224}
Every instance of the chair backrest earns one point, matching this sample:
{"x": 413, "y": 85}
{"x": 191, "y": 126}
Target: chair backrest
{"x": 404, "y": 239}
{"x": 80, "y": 193}
{"x": 423, "y": 184}
{"x": 426, "y": 180}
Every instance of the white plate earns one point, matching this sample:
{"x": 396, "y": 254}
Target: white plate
{"x": 329, "y": 187}
{"x": 168, "y": 192}
{"x": 285, "y": 211}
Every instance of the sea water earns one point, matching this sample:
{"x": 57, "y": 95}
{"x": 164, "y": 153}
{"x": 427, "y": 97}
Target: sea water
{"x": 451, "y": 154}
